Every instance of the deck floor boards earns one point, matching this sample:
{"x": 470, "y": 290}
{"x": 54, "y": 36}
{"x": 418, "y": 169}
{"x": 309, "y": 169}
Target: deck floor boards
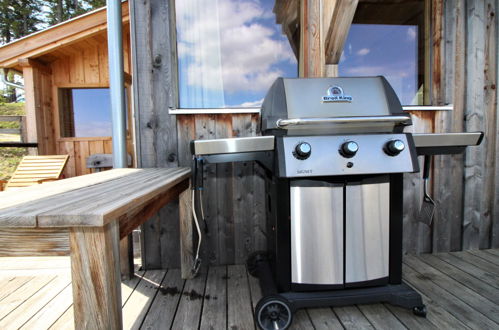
{"x": 460, "y": 290}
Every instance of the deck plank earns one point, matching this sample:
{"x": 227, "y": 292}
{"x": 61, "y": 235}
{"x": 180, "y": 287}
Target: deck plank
{"x": 324, "y": 318}
{"x": 406, "y": 316}
{"x": 65, "y": 321}
{"x": 191, "y": 303}
{"x": 472, "y": 298}
{"x": 380, "y": 317}
{"x": 301, "y": 321}
{"x": 352, "y": 318}
{"x": 36, "y": 303}
{"x": 486, "y": 256}
{"x": 451, "y": 303}
{"x": 239, "y": 311}
{"x": 478, "y": 269}
{"x": 19, "y": 296}
{"x": 480, "y": 287}
{"x": 255, "y": 292}
{"x": 51, "y": 312}
{"x": 162, "y": 311}
{"x": 215, "y": 301}
{"x": 135, "y": 309}
{"x": 14, "y": 284}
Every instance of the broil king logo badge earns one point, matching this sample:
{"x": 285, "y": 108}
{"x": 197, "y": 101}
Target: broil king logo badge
{"x": 335, "y": 94}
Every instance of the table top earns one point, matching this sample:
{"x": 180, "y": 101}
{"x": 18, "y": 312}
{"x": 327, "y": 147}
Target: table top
{"x": 87, "y": 200}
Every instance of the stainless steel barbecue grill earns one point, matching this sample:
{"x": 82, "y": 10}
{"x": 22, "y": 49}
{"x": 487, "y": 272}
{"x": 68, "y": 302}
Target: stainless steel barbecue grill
{"x": 334, "y": 151}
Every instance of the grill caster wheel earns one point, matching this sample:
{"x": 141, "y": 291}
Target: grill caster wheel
{"x": 419, "y": 311}
{"x": 273, "y": 313}
{"x": 253, "y": 260}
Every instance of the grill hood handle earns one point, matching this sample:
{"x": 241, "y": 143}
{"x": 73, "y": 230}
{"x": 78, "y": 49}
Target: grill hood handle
{"x": 401, "y": 119}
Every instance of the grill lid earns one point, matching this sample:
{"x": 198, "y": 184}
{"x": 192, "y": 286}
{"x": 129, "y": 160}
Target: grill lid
{"x": 332, "y": 106}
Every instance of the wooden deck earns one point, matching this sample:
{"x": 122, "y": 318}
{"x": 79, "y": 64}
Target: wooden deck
{"x": 461, "y": 291}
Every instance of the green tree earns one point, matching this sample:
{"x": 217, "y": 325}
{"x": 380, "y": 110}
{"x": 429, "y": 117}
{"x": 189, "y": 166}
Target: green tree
{"x": 61, "y": 10}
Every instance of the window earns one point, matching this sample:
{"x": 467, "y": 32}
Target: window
{"x": 387, "y": 38}
{"x": 229, "y": 52}
{"x": 84, "y": 112}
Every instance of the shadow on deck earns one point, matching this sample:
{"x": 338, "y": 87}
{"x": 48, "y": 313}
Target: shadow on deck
{"x": 460, "y": 289}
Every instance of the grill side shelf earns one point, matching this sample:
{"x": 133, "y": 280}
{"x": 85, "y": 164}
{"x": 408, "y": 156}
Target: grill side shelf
{"x": 445, "y": 143}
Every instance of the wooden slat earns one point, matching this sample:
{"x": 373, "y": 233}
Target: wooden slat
{"x": 441, "y": 291}
{"x": 138, "y": 304}
{"x": 162, "y": 310}
{"x": 239, "y": 313}
{"x": 301, "y": 321}
{"x": 490, "y": 258}
{"x": 30, "y": 242}
{"x": 13, "y": 285}
{"x": 477, "y": 267}
{"x": 380, "y": 317}
{"x": 352, "y": 318}
{"x": 187, "y": 249}
{"x": 324, "y": 318}
{"x": 189, "y": 309}
{"x": 18, "y": 296}
{"x": 480, "y": 287}
{"x": 215, "y": 301}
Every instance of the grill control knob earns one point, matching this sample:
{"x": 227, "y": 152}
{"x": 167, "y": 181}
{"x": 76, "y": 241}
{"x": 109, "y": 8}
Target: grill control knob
{"x": 349, "y": 149}
{"x": 394, "y": 147}
{"x": 303, "y": 150}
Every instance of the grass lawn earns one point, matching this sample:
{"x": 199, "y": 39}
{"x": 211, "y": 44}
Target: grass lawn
{"x": 10, "y": 157}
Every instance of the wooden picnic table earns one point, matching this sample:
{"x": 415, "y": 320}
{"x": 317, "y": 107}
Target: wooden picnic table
{"x": 97, "y": 210}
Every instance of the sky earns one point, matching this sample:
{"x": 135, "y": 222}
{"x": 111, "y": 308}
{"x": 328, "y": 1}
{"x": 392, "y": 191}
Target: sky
{"x": 92, "y": 112}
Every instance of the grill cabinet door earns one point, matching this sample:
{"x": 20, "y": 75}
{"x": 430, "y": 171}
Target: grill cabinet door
{"x": 367, "y": 230}
{"x": 316, "y": 233}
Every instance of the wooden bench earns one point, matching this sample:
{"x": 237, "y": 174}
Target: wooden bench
{"x": 97, "y": 210}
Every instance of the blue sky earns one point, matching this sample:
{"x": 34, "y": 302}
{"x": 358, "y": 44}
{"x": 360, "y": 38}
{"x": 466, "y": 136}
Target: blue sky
{"x": 92, "y": 112}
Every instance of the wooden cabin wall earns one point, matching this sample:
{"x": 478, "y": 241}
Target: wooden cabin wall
{"x": 465, "y": 187}
{"x": 85, "y": 65}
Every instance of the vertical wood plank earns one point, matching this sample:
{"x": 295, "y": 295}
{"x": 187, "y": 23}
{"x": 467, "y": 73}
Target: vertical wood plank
{"x": 95, "y": 276}
{"x": 239, "y": 313}
{"x": 225, "y": 192}
{"x": 126, "y": 257}
{"x": 91, "y": 64}
{"x": 475, "y": 219}
{"x": 311, "y": 59}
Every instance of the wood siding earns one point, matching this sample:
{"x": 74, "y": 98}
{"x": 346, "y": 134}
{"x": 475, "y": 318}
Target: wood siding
{"x": 465, "y": 187}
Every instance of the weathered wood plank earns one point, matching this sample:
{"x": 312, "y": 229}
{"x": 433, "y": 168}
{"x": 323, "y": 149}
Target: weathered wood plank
{"x": 19, "y": 296}
{"x": 215, "y": 299}
{"x": 239, "y": 313}
{"x": 482, "y": 288}
{"x": 324, "y": 318}
{"x": 162, "y": 310}
{"x": 380, "y": 317}
{"x": 352, "y": 318}
{"x": 33, "y": 242}
{"x": 312, "y": 53}
{"x": 51, "y": 311}
{"x": 95, "y": 277}
{"x": 457, "y": 307}
{"x": 135, "y": 309}
{"x": 188, "y": 315}
{"x": 406, "y": 316}
{"x": 301, "y": 321}
{"x": 337, "y": 33}
{"x": 486, "y": 256}
{"x": 13, "y": 285}
{"x": 477, "y": 267}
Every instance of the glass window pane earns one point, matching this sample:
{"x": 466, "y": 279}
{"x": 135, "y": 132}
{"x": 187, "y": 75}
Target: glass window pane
{"x": 229, "y": 52}
{"x": 386, "y": 39}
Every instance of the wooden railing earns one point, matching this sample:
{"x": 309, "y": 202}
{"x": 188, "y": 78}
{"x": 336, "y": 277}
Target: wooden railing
{"x": 20, "y": 131}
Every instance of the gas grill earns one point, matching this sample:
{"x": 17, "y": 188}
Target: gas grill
{"x": 334, "y": 152}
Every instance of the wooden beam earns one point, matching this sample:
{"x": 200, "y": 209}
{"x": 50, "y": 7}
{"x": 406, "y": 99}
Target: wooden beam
{"x": 341, "y": 20}
{"x": 311, "y": 58}
{"x": 186, "y": 243}
{"x": 29, "y": 62}
{"x": 57, "y": 36}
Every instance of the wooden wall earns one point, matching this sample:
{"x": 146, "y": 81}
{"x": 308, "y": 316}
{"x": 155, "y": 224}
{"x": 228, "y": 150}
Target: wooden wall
{"x": 84, "y": 64}
{"x": 465, "y": 187}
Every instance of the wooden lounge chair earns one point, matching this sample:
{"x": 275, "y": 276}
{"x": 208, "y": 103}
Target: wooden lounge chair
{"x": 35, "y": 170}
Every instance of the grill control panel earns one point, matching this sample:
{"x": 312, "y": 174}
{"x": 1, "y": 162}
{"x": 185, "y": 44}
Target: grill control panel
{"x": 302, "y": 156}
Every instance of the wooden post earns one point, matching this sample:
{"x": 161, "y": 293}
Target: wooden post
{"x": 186, "y": 244}
{"x": 126, "y": 257}
{"x": 95, "y": 276}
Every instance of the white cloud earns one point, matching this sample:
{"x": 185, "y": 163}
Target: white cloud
{"x": 363, "y": 51}
{"x": 412, "y": 33}
{"x": 233, "y": 52}
{"x": 252, "y": 104}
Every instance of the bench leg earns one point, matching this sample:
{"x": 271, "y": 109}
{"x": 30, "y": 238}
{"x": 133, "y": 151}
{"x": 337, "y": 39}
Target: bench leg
{"x": 126, "y": 257}
{"x": 186, "y": 244}
{"x": 95, "y": 272}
